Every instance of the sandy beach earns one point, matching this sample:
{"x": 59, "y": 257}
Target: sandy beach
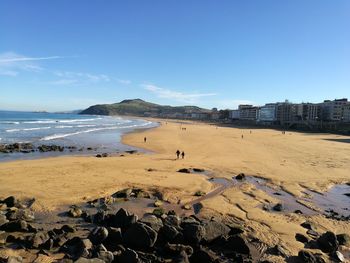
{"x": 294, "y": 161}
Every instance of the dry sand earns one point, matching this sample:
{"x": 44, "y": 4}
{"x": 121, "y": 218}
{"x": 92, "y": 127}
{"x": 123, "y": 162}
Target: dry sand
{"x": 292, "y": 161}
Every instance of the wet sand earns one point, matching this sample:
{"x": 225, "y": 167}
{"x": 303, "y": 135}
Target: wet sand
{"x": 292, "y": 162}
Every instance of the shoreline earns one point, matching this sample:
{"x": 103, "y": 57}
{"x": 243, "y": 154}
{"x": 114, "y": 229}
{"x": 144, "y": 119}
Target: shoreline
{"x": 77, "y": 153}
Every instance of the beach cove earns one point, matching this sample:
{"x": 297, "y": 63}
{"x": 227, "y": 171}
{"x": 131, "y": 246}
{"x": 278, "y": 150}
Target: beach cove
{"x": 294, "y": 163}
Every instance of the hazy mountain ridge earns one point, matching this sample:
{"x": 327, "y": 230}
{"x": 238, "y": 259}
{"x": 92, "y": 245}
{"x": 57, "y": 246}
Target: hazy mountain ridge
{"x": 139, "y": 107}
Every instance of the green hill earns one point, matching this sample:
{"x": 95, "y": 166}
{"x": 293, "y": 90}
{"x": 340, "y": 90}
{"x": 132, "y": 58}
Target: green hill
{"x": 138, "y": 107}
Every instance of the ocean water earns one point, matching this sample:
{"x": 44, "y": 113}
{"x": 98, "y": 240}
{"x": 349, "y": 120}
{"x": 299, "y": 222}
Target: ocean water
{"x": 102, "y": 133}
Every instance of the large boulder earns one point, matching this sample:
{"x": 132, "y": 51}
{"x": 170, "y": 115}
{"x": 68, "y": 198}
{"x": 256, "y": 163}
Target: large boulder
{"x": 343, "y": 239}
{"x": 307, "y": 257}
{"x": 168, "y": 233}
{"x": 203, "y": 255}
{"x": 113, "y": 239}
{"x": 193, "y": 233}
{"x": 328, "y": 242}
{"x": 140, "y": 236}
{"x": 122, "y": 219}
{"x": 128, "y": 256}
{"x": 77, "y": 247}
{"x": 38, "y": 240}
{"x": 152, "y": 221}
{"x": 98, "y": 235}
{"x": 10, "y": 201}
{"x": 15, "y": 226}
{"x": 237, "y": 244}
{"x": 214, "y": 230}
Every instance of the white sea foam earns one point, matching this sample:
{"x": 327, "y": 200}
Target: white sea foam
{"x": 28, "y": 129}
{"x": 63, "y": 135}
{"x": 61, "y": 121}
{"x": 86, "y": 125}
{"x": 12, "y": 130}
{"x": 37, "y": 128}
{"x": 63, "y": 126}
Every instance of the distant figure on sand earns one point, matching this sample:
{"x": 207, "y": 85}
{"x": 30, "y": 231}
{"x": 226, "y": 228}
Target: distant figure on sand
{"x": 177, "y": 154}
{"x": 242, "y": 136}
{"x": 145, "y": 139}
{"x": 183, "y": 155}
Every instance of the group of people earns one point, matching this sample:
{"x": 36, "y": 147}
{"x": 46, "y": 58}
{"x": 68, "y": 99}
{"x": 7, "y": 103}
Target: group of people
{"x": 178, "y": 154}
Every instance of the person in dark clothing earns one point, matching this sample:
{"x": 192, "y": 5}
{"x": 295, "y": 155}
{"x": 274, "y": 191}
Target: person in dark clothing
{"x": 145, "y": 139}
{"x": 183, "y": 155}
{"x": 177, "y": 154}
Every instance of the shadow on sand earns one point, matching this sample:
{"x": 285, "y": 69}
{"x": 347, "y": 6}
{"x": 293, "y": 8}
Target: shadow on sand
{"x": 338, "y": 140}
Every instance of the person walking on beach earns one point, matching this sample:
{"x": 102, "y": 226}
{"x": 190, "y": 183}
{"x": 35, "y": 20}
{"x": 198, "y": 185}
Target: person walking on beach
{"x": 177, "y": 154}
{"x": 145, "y": 139}
{"x": 242, "y": 136}
{"x": 183, "y": 155}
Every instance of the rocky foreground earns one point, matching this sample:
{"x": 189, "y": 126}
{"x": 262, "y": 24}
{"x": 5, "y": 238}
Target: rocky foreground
{"x": 158, "y": 237}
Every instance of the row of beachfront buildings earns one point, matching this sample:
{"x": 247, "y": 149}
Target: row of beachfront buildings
{"x": 279, "y": 113}
{"x": 337, "y": 110}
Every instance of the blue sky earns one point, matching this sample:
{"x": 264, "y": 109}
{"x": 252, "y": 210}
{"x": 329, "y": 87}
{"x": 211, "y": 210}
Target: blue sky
{"x": 64, "y": 55}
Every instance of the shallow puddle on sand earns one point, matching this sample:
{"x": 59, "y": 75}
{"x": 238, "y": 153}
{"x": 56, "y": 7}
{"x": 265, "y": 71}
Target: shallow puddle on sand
{"x": 332, "y": 200}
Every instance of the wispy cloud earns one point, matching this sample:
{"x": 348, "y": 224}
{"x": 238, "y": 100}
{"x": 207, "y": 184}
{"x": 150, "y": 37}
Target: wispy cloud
{"x": 175, "y": 95}
{"x": 232, "y": 104}
{"x": 124, "y": 81}
{"x": 68, "y": 77}
{"x": 18, "y": 58}
{"x": 11, "y": 64}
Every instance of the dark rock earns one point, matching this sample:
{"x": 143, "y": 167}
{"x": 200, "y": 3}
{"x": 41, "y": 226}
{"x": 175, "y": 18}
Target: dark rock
{"x": 3, "y": 220}
{"x": 199, "y": 193}
{"x": 344, "y": 239}
{"x": 214, "y": 230}
{"x": 10, "y": 201}
{"x": 114, "y": 238}
{"x": 76, "y": 247}
{"x": 48, "y": 245}
{"x": 182, "y": 257}
{"x": 299, "y": 212}
{"x": 347, "y": 194}
{"x": 184, "y": 170}
{"x": 106, "y": 256}
{"x": 67, "y": 229}
{"x": 309, "y": 225}
{"x": 301, "y": 238}
{"x": 159, "y": 211}
{"x": 99, "y": 217}
{"x": 152, "y": 221}
{"x": 15, "y": 226}
{"x": 307, "y": 257}
{"x": 198, "y": 170}
{"x": 193, "y": 232}
{"x": 203, "y": 255}
{"x": 121, "y": 219}
{"x": 278, "y": 207}
{"x": 128, "y": 256}
{"x": 98, "y": 235}
{"x": 172, "y": 220}
{"x": 168, "y": 233}
{"x": 38, "y": 239}
{"x": 98, "y": 155}
{"x": 176, "y": 249}
{"x": 240, "y": 176}
{"x": 237, "y": 244}
{"x": 328, "y": 242}
{"x": 140, "y": 236}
